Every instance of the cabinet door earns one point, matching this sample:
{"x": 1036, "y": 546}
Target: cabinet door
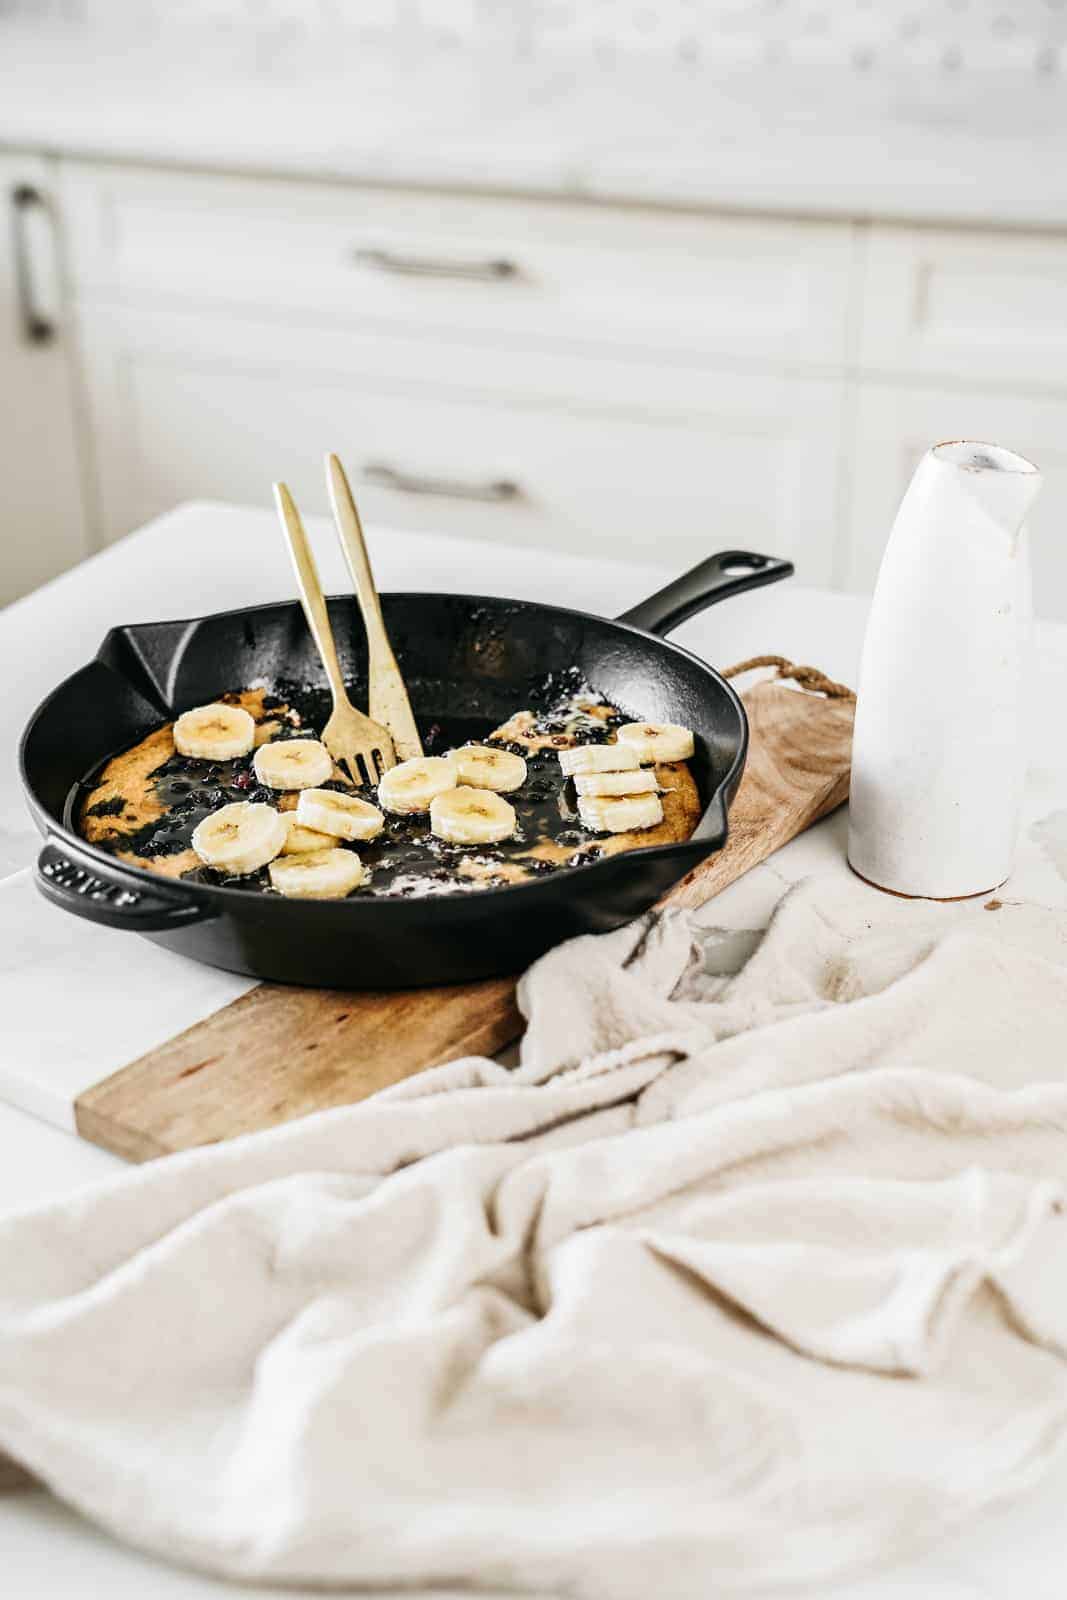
{"x": 44, "y": 526}
{"x": 964, "y": 304}
{"x": 577, "y": 455}
{"x": 894, "y": 426}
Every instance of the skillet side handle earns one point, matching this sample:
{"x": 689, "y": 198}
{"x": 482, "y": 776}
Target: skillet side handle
{"x": 77, "y": 884}
{"x": 720, "y": 576}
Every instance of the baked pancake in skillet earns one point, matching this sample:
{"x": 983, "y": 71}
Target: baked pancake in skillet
{"x": 143, "y": 805}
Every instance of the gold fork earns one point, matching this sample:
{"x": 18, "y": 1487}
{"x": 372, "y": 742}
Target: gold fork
{"x": 387, "y": 697}
{"x": 349, "y": 736}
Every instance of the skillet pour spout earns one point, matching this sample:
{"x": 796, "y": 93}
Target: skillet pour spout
{"x": 482, "y": 652}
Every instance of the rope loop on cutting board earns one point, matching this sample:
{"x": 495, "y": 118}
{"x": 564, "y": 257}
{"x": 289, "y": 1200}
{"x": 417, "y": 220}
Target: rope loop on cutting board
{"x": 807, "y": 677}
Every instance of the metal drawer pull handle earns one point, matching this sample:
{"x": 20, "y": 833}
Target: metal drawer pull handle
{"x": 35, "y": 264}
{"x": 491, "y": 271}
{"x": 495, "y": 490}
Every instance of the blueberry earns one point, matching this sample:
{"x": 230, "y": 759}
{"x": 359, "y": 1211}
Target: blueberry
{"x": 582, "y": 858}
{"x": 538, "y": 868}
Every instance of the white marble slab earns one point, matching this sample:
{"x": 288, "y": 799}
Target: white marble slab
{"x": 79, "y": 1001}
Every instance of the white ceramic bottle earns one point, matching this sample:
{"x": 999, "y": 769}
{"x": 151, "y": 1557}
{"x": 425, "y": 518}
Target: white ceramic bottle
{"x": 938, "y": 758}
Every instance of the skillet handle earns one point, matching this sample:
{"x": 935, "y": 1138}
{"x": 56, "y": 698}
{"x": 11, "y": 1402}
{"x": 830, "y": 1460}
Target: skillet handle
{"x": 720, "y": 576}
{"x": 76, "y": 883}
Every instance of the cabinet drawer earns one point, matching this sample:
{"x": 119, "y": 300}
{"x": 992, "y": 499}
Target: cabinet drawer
{"x": 186, "y": 409}
{"x": 964, "y": 304}
{"x": 895, "y": 425}
{"x": 505, "y": 269}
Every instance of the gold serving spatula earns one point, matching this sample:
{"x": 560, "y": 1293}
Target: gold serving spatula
{"x": 387, "y": 698}
{"x": 360, "y": 747}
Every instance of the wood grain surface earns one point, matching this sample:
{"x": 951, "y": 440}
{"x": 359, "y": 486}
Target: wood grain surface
{"x": 280, "y": 1053}
{"x": 797, "y": 771}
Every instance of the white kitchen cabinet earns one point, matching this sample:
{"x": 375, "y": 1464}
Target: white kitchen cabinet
{"x": 754, "y": 290}
{"x": 546, "y": 450}
{"x": 563, "y": 374}
{"x": 963, "y": 304}
{"x": 44, "y": 528}
{"x": 895, "y": 424}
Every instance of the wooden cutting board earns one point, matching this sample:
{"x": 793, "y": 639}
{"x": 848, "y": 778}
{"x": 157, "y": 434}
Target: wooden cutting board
{"x": 279, "y": 1053}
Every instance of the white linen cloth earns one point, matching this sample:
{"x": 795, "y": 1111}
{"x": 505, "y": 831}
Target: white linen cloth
{"x": 733, "y": 1282}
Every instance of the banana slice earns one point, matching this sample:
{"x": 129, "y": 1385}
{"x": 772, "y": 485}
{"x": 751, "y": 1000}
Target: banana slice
{"x": 471, "y": 816}
{"x": 293, "y": 764}
{"x": 482, "y": 767}
{"x": 598, "y": 758}
{"x": 240, "y": 838}
{"x": 299, "y": 840}
{"x": 595, "y": 783}
{"x": 318, "y": 874}
{"x": 214, "y": 733}
{"x": 620, "y": 813}
{"x": 657, "y": 741}
{"x": 343, "y": 816}
{"x": 412, "y": 785}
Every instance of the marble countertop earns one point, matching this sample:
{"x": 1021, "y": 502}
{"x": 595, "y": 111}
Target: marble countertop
{"x": 158, "y": 573}
{"x": 987, "y": 147}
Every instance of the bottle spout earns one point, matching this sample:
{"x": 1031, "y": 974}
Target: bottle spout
{"x": 1004, "y": 484}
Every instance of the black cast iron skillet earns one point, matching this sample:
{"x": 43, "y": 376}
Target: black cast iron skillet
{"x": 457, "y": 652}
